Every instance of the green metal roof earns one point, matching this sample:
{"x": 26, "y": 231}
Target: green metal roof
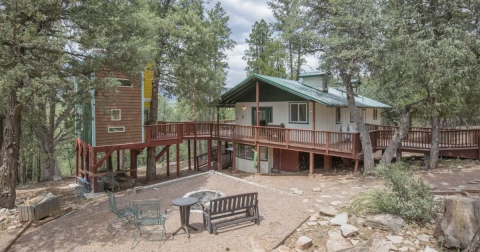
{"x": 311, "y": 74}
{"x": 333, "y": 98}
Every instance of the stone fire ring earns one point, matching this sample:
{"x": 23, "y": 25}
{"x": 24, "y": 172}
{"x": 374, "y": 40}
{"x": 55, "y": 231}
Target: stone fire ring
{"x": 203, "y": 196}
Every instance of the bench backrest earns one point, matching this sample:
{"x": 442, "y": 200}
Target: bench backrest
{"x": 232, "y": 203}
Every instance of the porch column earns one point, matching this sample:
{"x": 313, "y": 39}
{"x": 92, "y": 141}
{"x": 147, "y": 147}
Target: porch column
{"x": 178, "y": 160}
{"x": 209, "y": 159}
{"x": 133, "y": 163}
{"x": 234, "y": 155}
{"x": 82, "y": 159}
{"x": 258, "y": 155}
{"x": 87, "y": 164}
{"x": 356, "y": 166}
{"x": 95, "y": 178}
{"x": 258, "y": 121}
{"x": 327, "y": 162}
{"x": 312, "y": 155}
{"x": 189, "y": 156}
{"x": 76, "y": 160}
{"x": 195, "y": 165}
{"x": 168, "y": 162}
{"x": 219, "y": 155}
{"x": 118, "y": 160}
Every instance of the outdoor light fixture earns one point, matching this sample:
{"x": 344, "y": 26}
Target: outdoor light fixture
{"x": 244, "y": 108}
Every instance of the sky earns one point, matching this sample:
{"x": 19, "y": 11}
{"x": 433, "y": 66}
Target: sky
{"x": 243, "y": 14}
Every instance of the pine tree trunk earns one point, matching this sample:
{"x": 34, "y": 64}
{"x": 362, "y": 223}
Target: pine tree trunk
{"x": 10, "y": 151}
{"x": 434, "y": 150}
{"x": 399, "y": 135}
{"x": 2, "y": 121}
{"x": 368, "y": 160}
{"x": 152, "y": 151}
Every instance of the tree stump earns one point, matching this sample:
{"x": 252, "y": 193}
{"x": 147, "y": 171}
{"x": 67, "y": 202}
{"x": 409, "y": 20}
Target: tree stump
{"x": 461, "y": 218}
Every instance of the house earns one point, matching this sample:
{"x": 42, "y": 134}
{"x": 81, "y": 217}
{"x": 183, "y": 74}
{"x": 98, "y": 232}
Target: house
{"x": 307, "y": 104}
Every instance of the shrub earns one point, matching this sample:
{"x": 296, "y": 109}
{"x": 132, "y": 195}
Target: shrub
{"x": 404, "y": 195}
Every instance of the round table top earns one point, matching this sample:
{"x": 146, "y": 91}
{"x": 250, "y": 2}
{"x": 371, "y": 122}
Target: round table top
{"x": 184, "y": 201}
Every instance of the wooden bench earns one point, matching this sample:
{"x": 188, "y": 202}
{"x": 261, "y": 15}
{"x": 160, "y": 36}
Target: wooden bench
{"x": 242, "y": 204}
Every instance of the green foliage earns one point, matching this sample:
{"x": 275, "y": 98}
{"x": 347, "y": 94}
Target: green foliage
{"x": 265, "y": 54}
{"x": 404, "y": 195}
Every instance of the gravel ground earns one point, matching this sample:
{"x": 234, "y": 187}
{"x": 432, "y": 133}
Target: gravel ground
{"x": 85, "y": 230}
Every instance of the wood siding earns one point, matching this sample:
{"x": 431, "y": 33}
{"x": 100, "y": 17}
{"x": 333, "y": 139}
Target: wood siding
{"x": 129, "y": 100}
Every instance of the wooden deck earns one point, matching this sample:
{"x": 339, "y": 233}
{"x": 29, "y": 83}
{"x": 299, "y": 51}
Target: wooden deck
{"x": 464, "y": 143}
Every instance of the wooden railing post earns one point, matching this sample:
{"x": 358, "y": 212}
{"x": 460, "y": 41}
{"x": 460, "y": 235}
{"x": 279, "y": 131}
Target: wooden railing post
{"x": 287, "y": 141}
{"x": 328, "y": 143}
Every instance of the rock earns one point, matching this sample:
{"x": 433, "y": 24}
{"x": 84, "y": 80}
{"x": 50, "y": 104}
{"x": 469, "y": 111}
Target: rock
{"x": 293, "y": 189}
{"x": 354, "y": 241}
{"x": 458, "y": 223}
{"x": 459, "y": 167}
{"x": 444, "y": 183}
{"x": 319, "y": 200}
{"x": 377, "y": 244}
{"x": 328, "y": 211}
{"x": 259, "y": 250}
{"x": 403, "y": 249}
{"x": 337, "y": 245}
{"x": 312, "y": 223}
{"x": 298, "y": 192}
{"x": 2, "y": 218}
{"x": 428, "y": 249}
{"x": 335, "y": 234}
{"x": 303, "y": 243}
{"x": 283, "y": 248}
{"x": 340, "y": 219}
{"x": 316, "y": 189}
{"x": 385, "y": 221}
{"x": 473, "y": 182}
{"x": 325, "y": 196}
{"x": 312, "y": 218}
{"x": 395, "y": 239}
{"x": 305, "y": 201}
{"x": 392, "y": 247}
{"x": 348, "y": 230}
{"x": 425, "y": 238}
{"x": 311, "y": 210}
{"x": 335, "y": 203}
{"x": 323, "y": 223}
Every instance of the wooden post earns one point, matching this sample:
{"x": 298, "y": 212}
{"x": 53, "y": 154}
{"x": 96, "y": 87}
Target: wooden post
{"x": 87, "y": 163}
{"x": 258, "y": 157}
{"x": 327, "y": 162}
{"x": 311, "y": 163}
{"x": 195, "y": 164}
{"x": 95, "y": 178}
{"x": 168, "y": 161}
{"x": 209, "y": 160}
{"x": 356, "y": 166}
{"x": 82, "y": 158}
{"x": 133, "y": 163}
{"x": 118, "y": 160}
{"x": 258, "y": 101}
{"x": 478, "y": 143}
{"x": 178, "y": 160}
{"x": 219, "y": 155}
{"x": 189, "y": 156}
{"x": 234, "y": 155}
{"x": 76, "y": 160}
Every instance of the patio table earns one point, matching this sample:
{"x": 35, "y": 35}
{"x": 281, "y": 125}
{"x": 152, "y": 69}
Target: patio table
{"x": 184, "y": 204}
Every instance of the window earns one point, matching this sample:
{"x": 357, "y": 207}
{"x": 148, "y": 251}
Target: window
{"x": 246, "y": 152}
{"x": 125, "y": 82}
{"x": 116, "y": 129}
{"x": 116, "y": 114}
{"x": 299, "y": 112}
{"x": 338, "y": 116}
{"x": 375, "y": 114}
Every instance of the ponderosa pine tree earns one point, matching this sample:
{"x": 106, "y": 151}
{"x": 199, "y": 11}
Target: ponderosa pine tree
{"x": 43, "y": 44}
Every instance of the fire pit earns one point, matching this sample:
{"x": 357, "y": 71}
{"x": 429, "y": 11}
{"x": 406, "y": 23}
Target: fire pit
{"x": 203, "y": 196}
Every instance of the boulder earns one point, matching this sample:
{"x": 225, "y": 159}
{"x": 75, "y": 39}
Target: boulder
{"x": 424, "y": 238}
{"x": 428, "y": 249}
{"x": 335, "y": 234}
{"x": 303, "y": 243}
{"x": 385, "y": 222}
{"x": 348, "y": 230}
{"x": 459, "y": 222}
{"x": 316, "y": 189}
{"x": 395, "y": 239}
{"x": 328, "y": 211}
{"x": 340, "y": 219}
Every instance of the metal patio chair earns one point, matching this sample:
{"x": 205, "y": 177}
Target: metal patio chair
{"x": 147, "y": 213}
{"x": 125, "y": 213}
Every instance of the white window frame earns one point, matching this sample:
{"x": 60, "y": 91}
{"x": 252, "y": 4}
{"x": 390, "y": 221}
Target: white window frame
{"x": 375, "y": 114}
{"x": 119, "y": 114}
{"x": 338, "y": 115}
{"x": 131, "y": 82}
{"x": 119, "y": 127}
{"x": 298, "y": 112}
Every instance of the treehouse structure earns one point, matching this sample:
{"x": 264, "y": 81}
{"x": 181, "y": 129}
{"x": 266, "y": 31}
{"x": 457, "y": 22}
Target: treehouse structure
{"x": 293, "y": 124}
